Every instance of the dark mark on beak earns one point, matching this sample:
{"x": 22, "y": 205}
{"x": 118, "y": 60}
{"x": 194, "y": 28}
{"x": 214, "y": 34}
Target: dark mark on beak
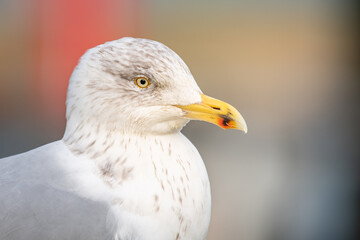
{"x": 225, "y": 120}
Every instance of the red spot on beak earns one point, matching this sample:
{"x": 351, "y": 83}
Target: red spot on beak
{"x": 223, "y": 122}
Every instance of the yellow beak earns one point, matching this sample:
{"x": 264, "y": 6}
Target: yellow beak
{"x": 215, "y": 111}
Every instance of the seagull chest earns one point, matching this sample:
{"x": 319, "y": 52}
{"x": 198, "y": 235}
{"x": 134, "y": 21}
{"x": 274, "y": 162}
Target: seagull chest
{"x": 162, "y": 189}
{"x": 154, "y": 195}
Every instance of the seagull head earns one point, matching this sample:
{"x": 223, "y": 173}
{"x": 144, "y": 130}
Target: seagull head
{"x": 140, "y": 86}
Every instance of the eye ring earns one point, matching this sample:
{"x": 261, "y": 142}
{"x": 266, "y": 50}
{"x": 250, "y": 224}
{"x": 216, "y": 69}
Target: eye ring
{"x": 142, "y": 82}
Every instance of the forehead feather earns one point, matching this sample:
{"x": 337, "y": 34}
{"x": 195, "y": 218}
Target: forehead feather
{"x": 138, "y": 56}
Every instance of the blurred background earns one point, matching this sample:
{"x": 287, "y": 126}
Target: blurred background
{"x": 288, "y": 66}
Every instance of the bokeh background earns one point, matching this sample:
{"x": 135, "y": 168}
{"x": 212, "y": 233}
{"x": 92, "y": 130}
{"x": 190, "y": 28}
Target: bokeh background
{"x": 288, "y": 66}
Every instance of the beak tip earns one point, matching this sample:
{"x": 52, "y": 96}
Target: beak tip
{"x": 241, "y": 125}
{"x": 244, "y": 130}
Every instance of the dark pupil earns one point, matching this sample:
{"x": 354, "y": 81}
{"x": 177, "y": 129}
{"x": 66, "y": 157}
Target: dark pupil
{"x": 142, "y": 81}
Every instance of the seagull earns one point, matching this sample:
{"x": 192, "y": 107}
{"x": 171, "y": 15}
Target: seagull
{"x": 123, "y": 170}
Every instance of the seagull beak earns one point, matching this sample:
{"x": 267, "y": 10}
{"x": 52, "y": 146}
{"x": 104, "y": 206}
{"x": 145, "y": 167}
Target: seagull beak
{"x": 215, "y": 111}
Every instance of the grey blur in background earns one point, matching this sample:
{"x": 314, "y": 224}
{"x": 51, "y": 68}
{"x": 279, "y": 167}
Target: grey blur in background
{"x": 287, "y": 67}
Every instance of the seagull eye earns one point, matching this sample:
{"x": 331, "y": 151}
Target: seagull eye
{"x": 142, "y": 82}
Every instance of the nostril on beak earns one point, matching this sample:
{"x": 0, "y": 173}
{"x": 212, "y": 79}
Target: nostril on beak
{"x": 216, "y": 108}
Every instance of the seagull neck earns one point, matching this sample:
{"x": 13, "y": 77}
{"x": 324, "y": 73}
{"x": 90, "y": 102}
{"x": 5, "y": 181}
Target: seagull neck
{"x": 98, "y": 142}
{"x": 118, "y": 155}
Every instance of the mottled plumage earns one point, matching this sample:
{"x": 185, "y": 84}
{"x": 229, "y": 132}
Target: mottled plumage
{"x": 123, "y": 170}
